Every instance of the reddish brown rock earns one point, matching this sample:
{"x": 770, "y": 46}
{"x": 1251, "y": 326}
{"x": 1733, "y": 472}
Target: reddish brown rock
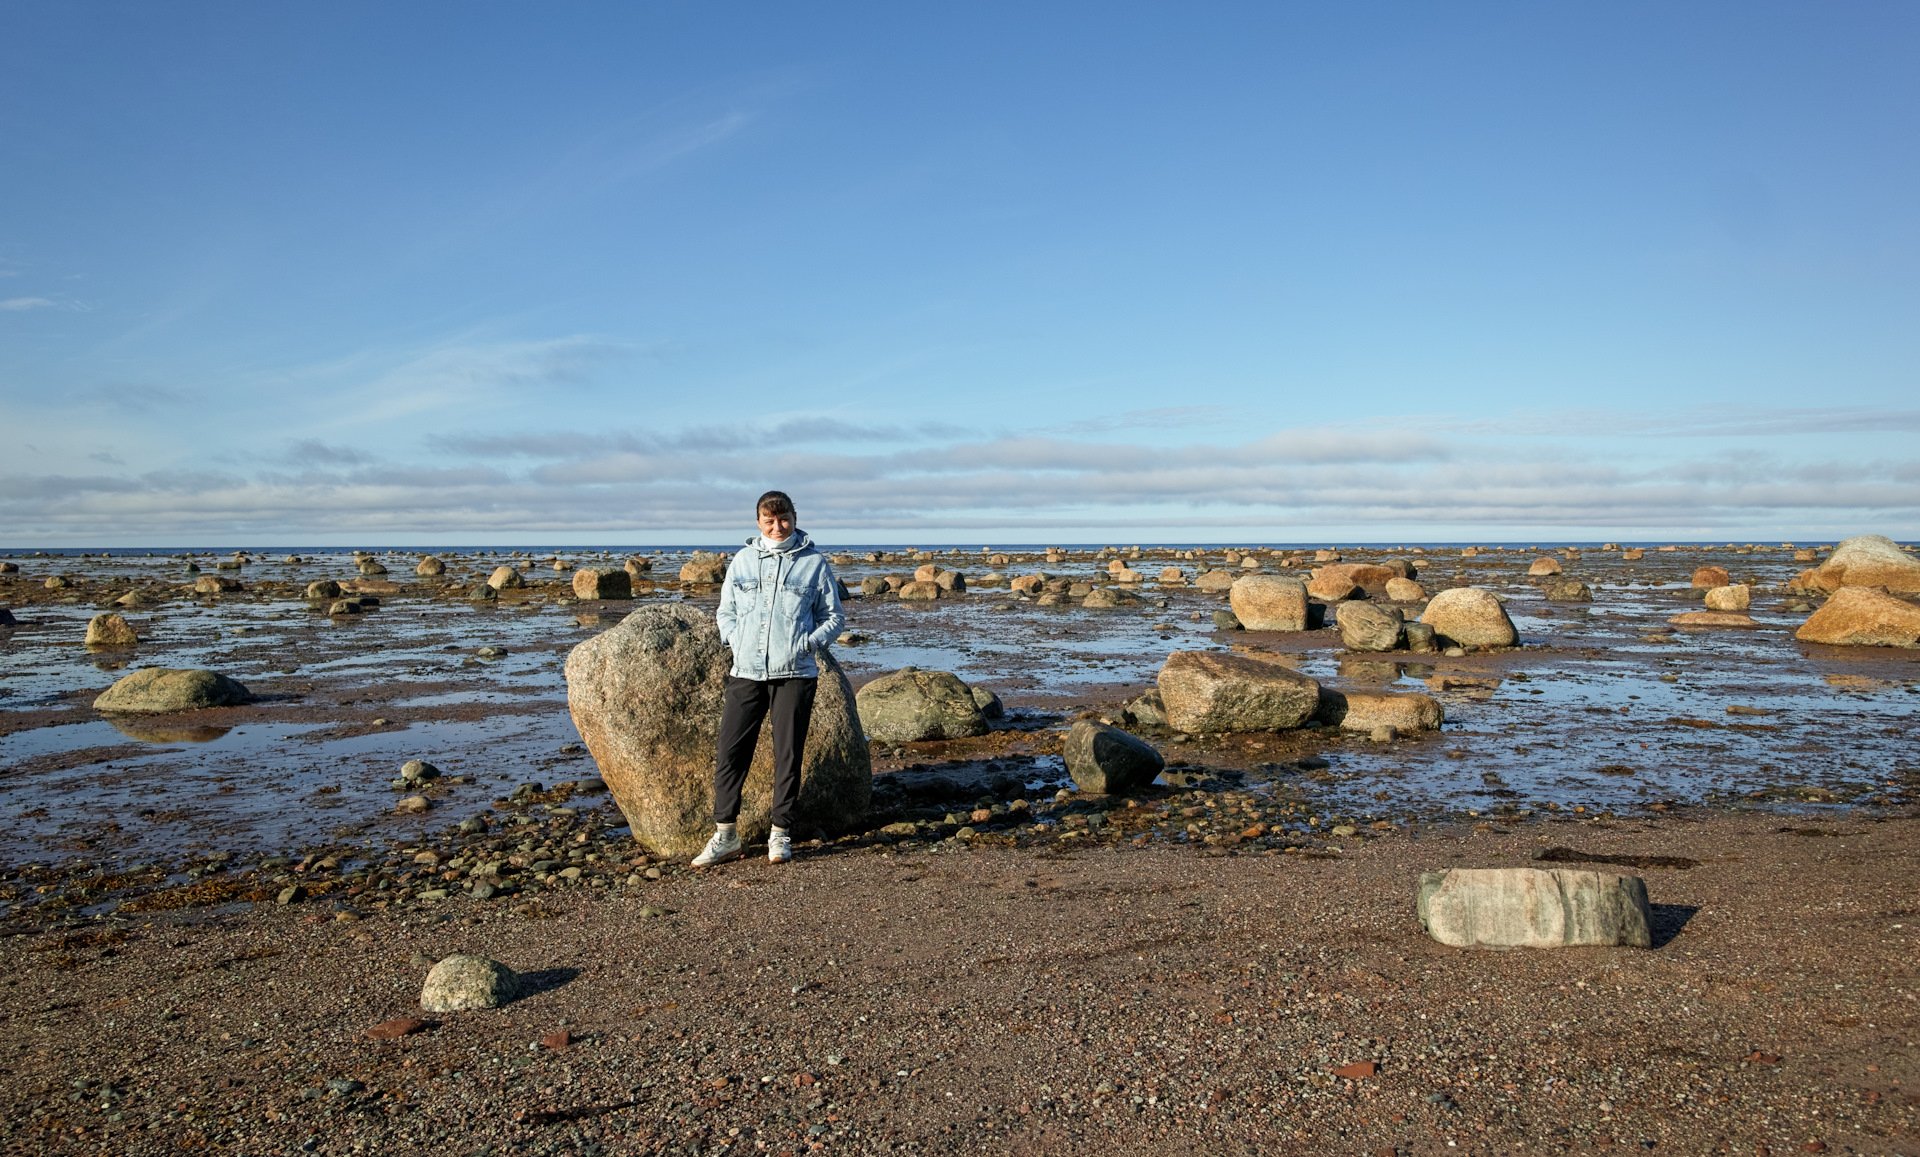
{"x": 1341, "y": 580}
{"x": 1708, "y": 577}
{"x": 396, "y": 1028}
{"x": 591, "y": 583}
{"x": 1868, "y": 560}
{"x": 1544, "y": 566}
{"x": 1859, "y": 617}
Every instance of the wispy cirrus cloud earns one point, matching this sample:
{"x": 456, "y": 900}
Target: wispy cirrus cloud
{"x": 22, "y": 304}
{"x": 133, "y": 397}
{"x": 1703, "y": 422}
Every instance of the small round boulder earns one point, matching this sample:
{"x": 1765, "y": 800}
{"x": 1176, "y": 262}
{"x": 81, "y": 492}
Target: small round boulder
{"x": 462, "y": 983}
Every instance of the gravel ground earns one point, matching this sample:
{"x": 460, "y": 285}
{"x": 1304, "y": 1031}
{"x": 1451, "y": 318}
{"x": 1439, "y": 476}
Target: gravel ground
{"x": 960, "y": 996}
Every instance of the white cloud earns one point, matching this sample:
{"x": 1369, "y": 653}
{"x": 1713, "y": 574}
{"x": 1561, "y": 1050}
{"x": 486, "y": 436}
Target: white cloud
{"x": 22, "y": 304}
{"x": 930, "y": 481}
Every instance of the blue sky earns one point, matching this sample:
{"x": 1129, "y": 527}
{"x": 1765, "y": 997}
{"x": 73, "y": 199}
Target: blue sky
{"x": 600, "y": 273}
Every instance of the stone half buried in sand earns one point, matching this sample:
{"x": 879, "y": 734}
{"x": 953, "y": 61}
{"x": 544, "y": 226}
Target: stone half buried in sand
{"x": 1364, "y": 711}
{"x": 1209, "y": 692}
{"x": 159, "y": 690}
{"x": 1470, "y": 617}
{"x": 1534, "y": 908}
{"x": 1710, "y": 620}
{"x": 646, "y": 698}
{"x": 1105, "y": 760}
{"x": 910, "y": 705}
{"x": 1860, "y": 617}
{"x": 1869, "y": 560}
{"x": 1265, "y": 602}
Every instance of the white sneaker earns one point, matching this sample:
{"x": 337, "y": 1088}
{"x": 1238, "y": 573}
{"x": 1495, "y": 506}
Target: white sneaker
{"x": 779, "y": 847}
{"x": 722, "y": 847}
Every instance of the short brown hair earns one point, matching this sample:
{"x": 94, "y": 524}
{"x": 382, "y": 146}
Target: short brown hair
{"x": 773, "y": 502}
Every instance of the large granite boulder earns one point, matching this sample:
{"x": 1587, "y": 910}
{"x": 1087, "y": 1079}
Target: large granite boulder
{"x": 505, "y": 578}
{"x": 1365, "y": 711}
{"x": 159, "y": 690}
{"x": 1216, "y": 580}
{"x": 589, "y": 583}
{"x": 1869, "y": 560}
{"x": 910, "y": 704}
{"x": 1366, "y": 627}
{"x": 323, "y": 589}
{"x": 1267, "y": 602}
{"x": 646, "y": 696}
{"x": 1860, "y": 617}
{"x": 1108, "y": 761}
{"x": 1544, "y": 566}
{"x": 1470, "y": 617}
{"x": 462, "y": 983}
{"x": 430, "y": 566}
{"x": 1534, "y": 908}
{"x": 1207, "y": 691}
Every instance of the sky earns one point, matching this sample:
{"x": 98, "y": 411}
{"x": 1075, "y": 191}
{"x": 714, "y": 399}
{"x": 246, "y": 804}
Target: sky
{"x": 600, "y": 273}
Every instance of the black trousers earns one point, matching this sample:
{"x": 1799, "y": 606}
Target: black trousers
{"x": 748, "y": 702}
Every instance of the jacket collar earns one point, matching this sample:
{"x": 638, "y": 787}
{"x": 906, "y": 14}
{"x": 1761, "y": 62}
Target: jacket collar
{"x": 796, "y": 542}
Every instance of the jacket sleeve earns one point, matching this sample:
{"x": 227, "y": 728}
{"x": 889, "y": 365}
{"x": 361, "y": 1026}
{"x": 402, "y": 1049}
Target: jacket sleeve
{"x": 728, "y": 615}
{"x": 829, "y": 616}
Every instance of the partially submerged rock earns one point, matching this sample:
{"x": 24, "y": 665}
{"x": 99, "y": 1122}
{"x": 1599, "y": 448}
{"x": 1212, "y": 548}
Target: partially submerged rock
{"x": 1205, "y": 691}
{"x": 430, "y": 566}
{"x": 646, "y": 698}
{"x": 1366, "y": 627}
{"x": 1364, "y": 711}
{"x": 1534, "y": 908}
{"x": 704, "y": 568}
{"x": 1707, "y": 620}
{"x": 910, "y": 704}
{"x": 1733, "y": 597}
{"x": 1860, "y": 617}
{"x": 1470, "y": 617}
{"x": 1108, "y": 761}
{"x": 1264, "y": 602}
{"x": 1568, "y": 590}
{"x": 505, "y": 578}
{"x": 462, "y": 983}
{"x": 589, "y": 583}
{"x": 110, "y": 630}
{"x": 158, "y": 690}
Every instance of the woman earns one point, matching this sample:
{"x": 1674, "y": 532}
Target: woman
{"x": 779, "y": 604}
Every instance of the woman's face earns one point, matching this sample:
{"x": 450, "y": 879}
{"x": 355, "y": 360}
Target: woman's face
{"x": 776, "y": 526}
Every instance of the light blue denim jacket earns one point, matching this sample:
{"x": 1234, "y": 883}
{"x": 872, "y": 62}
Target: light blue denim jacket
{"x": 777, "y": 607}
